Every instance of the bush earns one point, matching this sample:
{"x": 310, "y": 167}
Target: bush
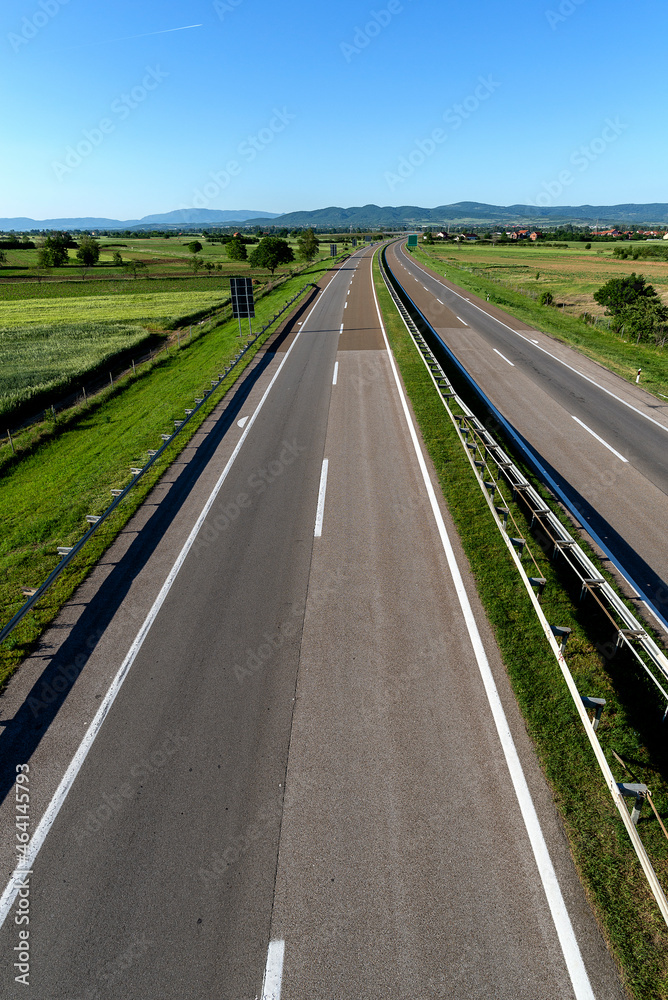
{"x": 546, "y": 299}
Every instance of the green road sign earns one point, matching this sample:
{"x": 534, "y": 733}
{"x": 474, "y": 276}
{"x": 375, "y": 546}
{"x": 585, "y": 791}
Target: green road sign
{"x": 412, "y": 240}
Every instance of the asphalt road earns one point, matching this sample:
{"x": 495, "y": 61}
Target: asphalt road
{"x": 557, "y": 400}
{"x": 300, "y": 780}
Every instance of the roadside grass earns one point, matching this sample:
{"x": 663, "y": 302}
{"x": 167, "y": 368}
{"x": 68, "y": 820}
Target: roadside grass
{"x": 48, "y": 490}
{"x": 611, "y": 874}
{"x": 600, "y": 345}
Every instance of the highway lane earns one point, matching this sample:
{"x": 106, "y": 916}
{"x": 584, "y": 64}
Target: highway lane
{"x": 604, "y": 441}
{"x": 303, "y": 750}
{"x": 129, "y": 894}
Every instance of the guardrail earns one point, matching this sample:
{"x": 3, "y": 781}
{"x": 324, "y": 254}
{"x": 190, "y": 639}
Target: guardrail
{"x": 68, "y": 553}
{"x": 481, "y": 447}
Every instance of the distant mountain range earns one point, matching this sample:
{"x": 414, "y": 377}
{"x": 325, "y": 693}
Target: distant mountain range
{"x": 181, "y": 218}
{"x": 371, "y": 217}
{"x": 472, "y": 213}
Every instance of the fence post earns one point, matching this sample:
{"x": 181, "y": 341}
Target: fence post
{"x": 111, "y": 380}
{"x": 9, "y": 435}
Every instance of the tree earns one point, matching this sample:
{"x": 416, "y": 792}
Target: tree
{"x": 134, "y": 266}
{"x": 43, "y": 263}
{"x": 546, "y": 298}
{"x": 619, "y": 293}
{"x": 236, "y": 249}
{"x": 644, "y": 319}
{"x": 270, "y": 253}
{"x": 307, "y": 245}
{"x": 210, "y": 267}
{"x": 57, "y": 245}
{"x": 3, "y": 257}
{"x": 88, "y": 254}
{"x": 195, "y": 246}
{"x": 196, "y": 264}
{"x": 117, "y": 260}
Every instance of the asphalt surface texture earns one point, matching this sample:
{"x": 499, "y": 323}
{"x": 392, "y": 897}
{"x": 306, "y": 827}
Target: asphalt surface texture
{"x": 299, "y": 789}
{"x": 556, "y": 400}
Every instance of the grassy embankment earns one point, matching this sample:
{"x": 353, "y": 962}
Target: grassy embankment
{"x": 508, "y": 276}
{"x": 48, "y": 491}
{"x": 605, "y": 860}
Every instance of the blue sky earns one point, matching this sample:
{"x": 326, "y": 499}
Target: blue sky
{"x": 287, "y": 106}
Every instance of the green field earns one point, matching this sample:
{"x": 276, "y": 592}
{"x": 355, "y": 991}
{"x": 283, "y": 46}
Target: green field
{"x": 572, "y": 274}
{"x": 35, "y": 360}
{"x": 164, "y": 257}
{"x": 27, "y": 290}
{"x": 160, "y": 307}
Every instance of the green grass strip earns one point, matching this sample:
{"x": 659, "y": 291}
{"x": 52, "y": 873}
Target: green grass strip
{"x": 605, "y": 860}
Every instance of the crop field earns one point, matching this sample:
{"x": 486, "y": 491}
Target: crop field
{"x": 158, "y": 307}
{"x": 572, "y": 275}
{"x": 11, "y": 291}
{"x": 37, "y": 359}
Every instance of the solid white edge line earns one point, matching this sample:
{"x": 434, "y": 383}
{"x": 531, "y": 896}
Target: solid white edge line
{"x": 320, "y": 513}
{"x": 461, "y": 320}
{"x": 51, "y": 812}
{"x": 273, "y": 973}
{"x": 555, "y": 900}
{"x": 336, "y": 373}
{"x": 600, "y": 439}
{"x": 592, "y": 381}
{"x": 504, "y": 357}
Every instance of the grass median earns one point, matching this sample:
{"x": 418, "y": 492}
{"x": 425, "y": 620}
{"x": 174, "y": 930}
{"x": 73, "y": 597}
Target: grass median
{"x": 49, "y": 489}
{"x": 630, "y": 727}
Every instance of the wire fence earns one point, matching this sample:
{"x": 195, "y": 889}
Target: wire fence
{"x": 495, "y": 471}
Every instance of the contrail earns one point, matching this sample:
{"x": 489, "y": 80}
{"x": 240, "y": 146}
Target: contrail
{"x": 127, "y": 38}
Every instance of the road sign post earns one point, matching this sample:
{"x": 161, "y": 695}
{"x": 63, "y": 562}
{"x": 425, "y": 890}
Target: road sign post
{"x": 243, "y": 302}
